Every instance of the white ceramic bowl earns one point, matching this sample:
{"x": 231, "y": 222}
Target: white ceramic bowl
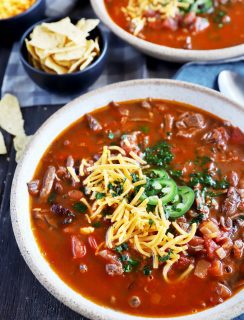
{"x": 163, "y": 89}
{"x": 163, "y": 52}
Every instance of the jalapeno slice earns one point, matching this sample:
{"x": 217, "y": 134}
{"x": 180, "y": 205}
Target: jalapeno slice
{"x": 183, "y": 204}
{"x": 163, "y": 189}
{"x": 158, "y": 173}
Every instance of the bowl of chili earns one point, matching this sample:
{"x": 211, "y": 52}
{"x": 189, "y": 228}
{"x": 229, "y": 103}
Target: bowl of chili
{"x": 161, "y": 164}
{"x": 177, "y": 31}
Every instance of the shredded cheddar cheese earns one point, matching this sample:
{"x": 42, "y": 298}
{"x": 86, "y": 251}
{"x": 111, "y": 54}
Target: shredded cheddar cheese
{"x": 136, "y": 11}
{"x": 131, "y": 221}
{"x": 73, "y": 174}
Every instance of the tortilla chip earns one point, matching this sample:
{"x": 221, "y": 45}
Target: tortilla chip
{"x": 35, "y": 63}
{"x": 20, "y": 143}
{"x": 66, "y": 64}
{"x": 65, "y": 28}
{"x": 46, "y": 69}
{"x": 43, "y": 39}
{"x": 51, "y": 64}
{"x": 10, "y": 115}
{"x": 62, "y": 47}
{"x": 86, "y": 63}
{"x": 3, "y": 149}
{"x": 31, "y": 49}
{"x": 74, "y": 54}
{"x": 88, "y": 25}
{"x": 70, "y": 46}
{"x": 40, "y": 53}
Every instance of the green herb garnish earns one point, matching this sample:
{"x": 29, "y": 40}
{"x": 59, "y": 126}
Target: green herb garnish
{"x": 144, "y": 129}
{"x": 111, "y": 135}
{"x": 165, "y": 258}
{"x": 52, "y": 197}
{"x": 96, "y": 224}
{"x": 128, "y": 263}
{"x": 99, "y": 195}
{"x": 80, "y": 207}
{"x": 147, "y": 270}
{"x": 151, "y": 222}
{"x": 116, "y": 187}
{"x": 175, "y": 173}
{"x": 159, "y": 155}
{"x": 197, "y": 219}
{"x": 123, "y": 247}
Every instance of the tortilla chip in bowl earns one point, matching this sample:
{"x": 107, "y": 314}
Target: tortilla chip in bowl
{"x": 64, "y": 55}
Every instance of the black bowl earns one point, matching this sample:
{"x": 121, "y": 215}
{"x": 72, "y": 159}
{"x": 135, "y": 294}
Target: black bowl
{"x": 66, "y": 83}
{"x": 12, "y": 28}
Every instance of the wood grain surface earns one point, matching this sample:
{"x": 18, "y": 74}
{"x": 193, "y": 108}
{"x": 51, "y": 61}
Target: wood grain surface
{"x": 22, "y": 296}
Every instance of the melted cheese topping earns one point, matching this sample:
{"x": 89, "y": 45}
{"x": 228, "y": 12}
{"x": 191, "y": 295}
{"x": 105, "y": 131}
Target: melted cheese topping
{"x": 145, "y": 231}
{"x": 136, "y": 11}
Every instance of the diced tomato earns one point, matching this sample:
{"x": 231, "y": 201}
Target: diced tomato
{"x": 210, "y": 246}
{"x": 237, "y": 136}
{"x": 183, "y": 263}
{"x": 216, "y": 268}
{"x": 78, "y": 247}
{"x": 196, "y": 241}
{"x": 92, "y": 242}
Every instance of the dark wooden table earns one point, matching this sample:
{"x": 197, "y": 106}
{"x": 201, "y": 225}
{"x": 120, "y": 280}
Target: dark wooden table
{"x": 22, "y": 296}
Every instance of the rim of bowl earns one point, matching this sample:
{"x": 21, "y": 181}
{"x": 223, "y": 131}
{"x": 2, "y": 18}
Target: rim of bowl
{"x": 35, "y": 4}
{"x": 43, "y": 73}
{"x": 225, "y": 311}
{"x": 166, "y": 53}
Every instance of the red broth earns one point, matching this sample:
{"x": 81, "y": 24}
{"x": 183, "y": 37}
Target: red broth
{"x": 204, "y": 143}
{"x": 215, "y": 36}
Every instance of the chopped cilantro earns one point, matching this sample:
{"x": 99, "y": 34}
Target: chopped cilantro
{"x": 201, "y": 161}
{"x": 206, "y": 180}
{"x": 52, "y": 197}
{"x": 99, "y": 195}
{"x": 165, "y": 258}
{"x": 96, "y": 224}
{"x": 80, "y": 207}
{"x": 159, "y": 155}
{"x": 134, "y": 177}
{"x": 111, "y": 135}
{"x": 116, "y": 187}
{"x": 123, "y": 247}
{"x": 197, "y": 219}
{"x": 147, "y": 271}
{"x": 214, "y": 194}
{"x": 128, "y": 263}
{"x": 151, "y": 222}
{"x": 202, "y": 178}
{"x": 144, "y": 129}
{"x": 241, "y": 217}
{"x": 127, "y": 268}
{"x": 175, "y": 173}
{"x": 133, "y": 262}
{"x": 222, "y": 184}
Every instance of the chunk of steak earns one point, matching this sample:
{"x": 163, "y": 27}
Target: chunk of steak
{"x": 114, "y": 265}
{"x": 33, "y": 187}
{"x": 93, "y": 123}
{"x": 189, "y": 124}
{"x": 130, "y": 142}
{"x": 218, "y": 137}
{"x": 190, "y": 120}
{"x": 113, "y": 269}
{"x": 231, "y": 202}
